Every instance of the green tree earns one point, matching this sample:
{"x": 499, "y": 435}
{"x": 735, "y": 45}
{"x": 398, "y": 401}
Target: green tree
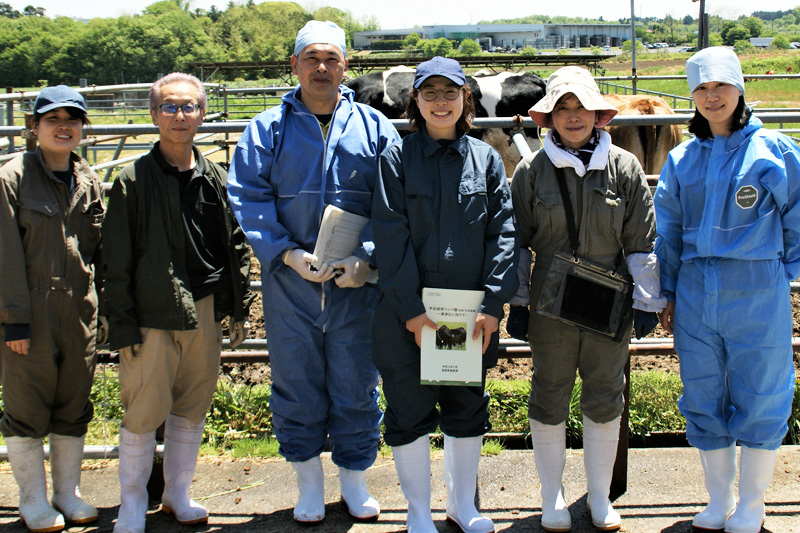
{"x": 437, "y": 47}
{"x": 715, "y": 39}
{"x": 754, "y": 25}
{"x": 31, "y": 11}
{"x": 737, "y": 33}
{"x": 469, "y": 47}
{"x": 743, "y": 47}
{"x": 9, "y": 12}
{"x": 780, "y": 42}
{"x": 412, "y": 41}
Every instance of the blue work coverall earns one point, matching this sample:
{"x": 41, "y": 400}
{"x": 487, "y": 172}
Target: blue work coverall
{"x": 283, "y": 173}
{"x": 442, "y": 218}
{"x": 728, "y": 220}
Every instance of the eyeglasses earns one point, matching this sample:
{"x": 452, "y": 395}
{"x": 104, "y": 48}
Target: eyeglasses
{"x": 429, "y": 94}
{"x": 171, "y": 109}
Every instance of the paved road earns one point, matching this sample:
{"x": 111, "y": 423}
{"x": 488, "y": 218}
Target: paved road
{"x": 665, "y": 490}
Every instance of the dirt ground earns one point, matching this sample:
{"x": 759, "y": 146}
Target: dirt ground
{"x": 505, "y": 369}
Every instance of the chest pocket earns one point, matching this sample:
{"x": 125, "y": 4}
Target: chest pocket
{"x": 549, "y": 216}
{"x": 607, "y": 212}
{"x": 33, "y": 213}
{"x": 473, "y": 201}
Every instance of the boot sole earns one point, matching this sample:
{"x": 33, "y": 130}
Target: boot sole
{"x": 308, "y": 523}
{"x": 167, "y": 510}
{"x": 365, "y": 519}
{"x": 42, "y": 530}
{"x": 78, "y": 521}
{"x": 453, "y": 520}
{"x": 556, "y": 529}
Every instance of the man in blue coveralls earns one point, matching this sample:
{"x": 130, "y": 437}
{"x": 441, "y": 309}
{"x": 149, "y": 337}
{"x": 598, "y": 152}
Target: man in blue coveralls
{"x": 318, "y": 147}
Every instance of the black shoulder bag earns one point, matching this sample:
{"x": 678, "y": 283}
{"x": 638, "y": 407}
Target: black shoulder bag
{"x": 582, "y": 293}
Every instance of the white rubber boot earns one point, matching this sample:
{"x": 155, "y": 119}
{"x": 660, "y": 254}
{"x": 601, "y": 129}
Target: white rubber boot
{"x": 310, "y": 508}
{"x": 360, "y": 504}
{"x": 461, "y": 458}
{"x": 549, "y": 452}
{"x": 755, "y": 474}
{"x": 599, "y": 453}
{"x": 413, "y": 464}
{"x": 719, "y": 467}
{"x": 66, "y": 458}
{"x": 182, "y": 440}
{"x": 135, "y": 466}
{"x": 27, "y": 464}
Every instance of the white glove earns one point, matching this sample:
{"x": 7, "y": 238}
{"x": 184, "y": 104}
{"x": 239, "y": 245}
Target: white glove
{"x": 647, "y": 282}
{"x": 356, "y": 272}
{"x": 102, "y": 331}
{"x": 238, "y": 333}
{"x": 300, "y": 261}
{"x": 130, "y": 352}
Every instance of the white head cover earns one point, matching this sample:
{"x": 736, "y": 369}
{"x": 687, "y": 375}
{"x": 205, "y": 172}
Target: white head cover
{"x": 320, "y": 32}
{"x": 714, "y": 64}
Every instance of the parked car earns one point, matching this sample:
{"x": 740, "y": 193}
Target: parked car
{"x": 606, "y": 49}
{"x": 687, "y": 49}
{"x": 576, "y": 49}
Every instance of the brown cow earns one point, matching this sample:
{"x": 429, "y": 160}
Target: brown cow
{"x": 650, "y": 144}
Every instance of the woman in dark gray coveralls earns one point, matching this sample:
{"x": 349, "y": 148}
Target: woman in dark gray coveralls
{"x": 441, "y": 217}
{"x": 51, "y": 208}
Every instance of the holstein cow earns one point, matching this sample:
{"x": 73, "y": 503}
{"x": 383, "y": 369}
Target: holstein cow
{"x": 650, "y": 144}
{"x": 500, "y": 95}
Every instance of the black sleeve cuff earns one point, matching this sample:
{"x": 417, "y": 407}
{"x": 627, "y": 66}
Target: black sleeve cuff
{"x": 17, "y": 332}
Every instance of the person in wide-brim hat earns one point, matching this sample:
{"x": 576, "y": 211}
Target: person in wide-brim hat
{"x": 579, "y": 82}
{"x": 613, "y": 208}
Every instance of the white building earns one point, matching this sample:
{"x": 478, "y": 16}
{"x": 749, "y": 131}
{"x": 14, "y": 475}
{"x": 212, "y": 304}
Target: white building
{"x": 541, "y": 36}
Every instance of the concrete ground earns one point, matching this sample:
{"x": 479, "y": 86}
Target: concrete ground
{"x": 665, "y": 489}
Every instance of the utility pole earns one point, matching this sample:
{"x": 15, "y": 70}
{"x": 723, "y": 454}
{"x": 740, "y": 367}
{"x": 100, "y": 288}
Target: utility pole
{"x": 702, "y": 26}
{"x": 633, "y": 48}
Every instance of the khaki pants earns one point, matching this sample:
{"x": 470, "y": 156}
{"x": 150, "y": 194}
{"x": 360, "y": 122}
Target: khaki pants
{"x": 174, "y": 372}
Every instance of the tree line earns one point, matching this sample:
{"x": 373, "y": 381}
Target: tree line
{"x": 166, "y": 36}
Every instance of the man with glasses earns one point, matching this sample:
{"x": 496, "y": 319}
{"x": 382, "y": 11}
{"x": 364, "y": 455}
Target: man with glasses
{"x": 177, "y": 264}
{"x": 318, "y": 147}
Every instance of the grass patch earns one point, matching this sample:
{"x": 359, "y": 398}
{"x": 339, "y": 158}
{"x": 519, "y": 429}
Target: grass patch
{"x": 492, "y": 447}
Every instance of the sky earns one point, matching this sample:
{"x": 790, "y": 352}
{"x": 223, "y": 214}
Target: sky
{"x": 410, "y": 13}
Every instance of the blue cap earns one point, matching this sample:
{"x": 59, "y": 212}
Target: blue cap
{"x": 714, "y": 64}
{"x": 59, "y": 96}
{"x": 320, "y": 32}
{"x": 440, "y": 66}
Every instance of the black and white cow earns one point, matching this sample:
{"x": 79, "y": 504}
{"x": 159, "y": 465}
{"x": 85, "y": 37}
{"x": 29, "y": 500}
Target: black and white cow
{"x": 498, "y": 95}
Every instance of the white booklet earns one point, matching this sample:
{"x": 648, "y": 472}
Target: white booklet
{"x": 339, "y": 235}
{"x": 449, "y": 356}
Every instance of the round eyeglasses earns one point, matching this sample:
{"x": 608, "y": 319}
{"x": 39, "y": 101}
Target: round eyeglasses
{"x": 171, "y": 109}
{"x": 429, "y": 94}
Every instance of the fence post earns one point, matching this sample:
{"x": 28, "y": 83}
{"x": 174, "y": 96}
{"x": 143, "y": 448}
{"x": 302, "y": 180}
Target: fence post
{"x": 10, "y": 119}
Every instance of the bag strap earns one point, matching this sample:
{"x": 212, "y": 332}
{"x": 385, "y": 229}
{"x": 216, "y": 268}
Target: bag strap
{"x": 571, "y": 229}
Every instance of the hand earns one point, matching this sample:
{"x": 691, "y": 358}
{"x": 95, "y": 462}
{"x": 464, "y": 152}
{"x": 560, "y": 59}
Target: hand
{"x": 644, "y": 322}
{"x": 238, "y": 332}
{"x": 356, "y": 272}
{"x": 130, "y": 352}
{"x": 668, "y": 317}
{"x": 102, "y": 331}
{"x": 488, "y": 324}
{"x": 517, "y": 324}
{"x": 300, "y": 261}
{"x": 416, "y": 324}
{"x": 20, "y": 346}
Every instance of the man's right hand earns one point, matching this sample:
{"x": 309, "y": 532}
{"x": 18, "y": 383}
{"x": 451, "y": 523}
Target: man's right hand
{"x": 129, "y": 352}
{"x": 300, "y": 261}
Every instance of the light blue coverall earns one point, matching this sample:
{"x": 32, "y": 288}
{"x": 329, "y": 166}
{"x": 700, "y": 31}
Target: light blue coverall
{"x": 282, "y": 175}
{"x": 728, "y": 220}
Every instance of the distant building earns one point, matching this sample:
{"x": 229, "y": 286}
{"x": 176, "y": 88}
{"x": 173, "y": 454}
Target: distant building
{"x": 761, "y": 42}
{"x": 490, "y": 36}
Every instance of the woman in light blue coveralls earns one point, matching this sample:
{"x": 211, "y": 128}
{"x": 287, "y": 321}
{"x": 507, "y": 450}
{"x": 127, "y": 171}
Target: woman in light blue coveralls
{"x": 728, "y": 220}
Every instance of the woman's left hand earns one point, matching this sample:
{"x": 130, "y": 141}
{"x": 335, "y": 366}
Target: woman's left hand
{"x": 488, "y": 324}
{"x": 21, "y": 346}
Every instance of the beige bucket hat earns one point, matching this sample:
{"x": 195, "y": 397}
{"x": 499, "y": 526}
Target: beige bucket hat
{"x": 579, "y": 82}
